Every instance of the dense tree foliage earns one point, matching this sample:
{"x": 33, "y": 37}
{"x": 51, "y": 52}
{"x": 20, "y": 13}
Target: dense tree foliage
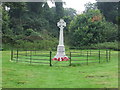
{"x": 89, "y": 6}
{"x": 59, "y": 10}
{"x": 91, "y": 28}
{"x": 6, "y": 22}
{"x": 109, "y": 10}
{"x": 32, "y": 22}
{"x": 33, "y": 25}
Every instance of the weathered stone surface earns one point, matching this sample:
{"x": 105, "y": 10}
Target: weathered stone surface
{"x": 60, "y": 56}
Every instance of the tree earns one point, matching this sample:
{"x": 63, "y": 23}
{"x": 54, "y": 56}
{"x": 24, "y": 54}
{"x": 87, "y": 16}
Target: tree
{"x": 36, "y": 7}
{"x": 5, "y": 21}
{"x": 89, "y": 6}
{"x": 109, "y": 10}
{"x": 70, "y": 12}
{"x": 91, "y": 28}
{"x": 16, "y": 8}
{"x": 59, "y": 10}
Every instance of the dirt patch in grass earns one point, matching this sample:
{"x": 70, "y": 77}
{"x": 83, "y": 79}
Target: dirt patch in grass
{"x": 21, "y": 82}
{"x": 91, "y": 76}
{"x": 81, "y": 72}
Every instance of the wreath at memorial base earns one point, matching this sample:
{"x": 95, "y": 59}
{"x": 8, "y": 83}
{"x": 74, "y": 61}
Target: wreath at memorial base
{"x": 61, "y": 59}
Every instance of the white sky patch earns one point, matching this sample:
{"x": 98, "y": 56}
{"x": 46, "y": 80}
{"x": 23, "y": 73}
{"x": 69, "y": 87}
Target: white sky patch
{"x": 51, "y": 4}
{"x": 7, "y": 8}
{"x": 78, "y": 5}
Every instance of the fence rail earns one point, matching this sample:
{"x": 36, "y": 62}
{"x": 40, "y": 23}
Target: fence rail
{"x": 78, "y": 57}
{"x": 31, "y": 56}
{"x": 89, "y": 56}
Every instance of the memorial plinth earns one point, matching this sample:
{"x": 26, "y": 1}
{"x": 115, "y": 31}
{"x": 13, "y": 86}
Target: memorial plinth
{"x": 60, "y": 56}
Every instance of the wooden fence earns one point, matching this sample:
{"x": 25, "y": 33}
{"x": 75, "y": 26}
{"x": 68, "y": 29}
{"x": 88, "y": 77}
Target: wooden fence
{"x": 31, "y": 56}
{"x": 75, "y": 57}
{"x": 90, "y": 56}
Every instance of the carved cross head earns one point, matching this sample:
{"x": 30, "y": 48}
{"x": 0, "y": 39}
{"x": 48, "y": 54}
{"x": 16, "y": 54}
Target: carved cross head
{"x": 61, "y": 23}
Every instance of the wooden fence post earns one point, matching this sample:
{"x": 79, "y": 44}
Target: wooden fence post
{"x": 90, "y": 52}
{"x": 109, "y": 55}
{"x": 99, "y": 55}
{"x": 70, "y": 59}
{"x": 106, "y": 55}
{"x": 81, "y": 52}
{"x": 11, "y": 54}
{"x": 87, "y": 57}
{"x": 30, "y": 57}
{"x": 35, "y": 52}
{"x": 17, "y": 56}
{"x": 50, "y": 58}
{"x": 26, "y": 52}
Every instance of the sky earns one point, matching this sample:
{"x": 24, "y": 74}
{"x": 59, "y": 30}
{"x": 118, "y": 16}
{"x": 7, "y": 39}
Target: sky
{"x": 78, "y": 5}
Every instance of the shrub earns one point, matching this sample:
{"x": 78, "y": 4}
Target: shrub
{"x": 84, "y": 31}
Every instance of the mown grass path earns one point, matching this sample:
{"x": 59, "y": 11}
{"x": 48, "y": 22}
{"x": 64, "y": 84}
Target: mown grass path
{"x": 21, "y": 75}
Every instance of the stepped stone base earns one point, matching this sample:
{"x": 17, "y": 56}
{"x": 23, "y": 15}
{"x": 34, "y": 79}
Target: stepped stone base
{"x": 60, "y": 56}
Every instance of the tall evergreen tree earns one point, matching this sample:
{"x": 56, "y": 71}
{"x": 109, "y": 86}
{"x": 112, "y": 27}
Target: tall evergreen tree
{"x": 36, "y": 7}
{"x": 109, "y": 10}
{"x": 59, "y": 10}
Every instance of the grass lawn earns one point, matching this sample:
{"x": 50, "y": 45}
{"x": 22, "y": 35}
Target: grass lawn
{"x": 93, "y": 75}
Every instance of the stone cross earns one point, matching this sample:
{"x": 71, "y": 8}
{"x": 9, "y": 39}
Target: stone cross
{"x": 61, "y": 24}
{"x": 60, "y": 56}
